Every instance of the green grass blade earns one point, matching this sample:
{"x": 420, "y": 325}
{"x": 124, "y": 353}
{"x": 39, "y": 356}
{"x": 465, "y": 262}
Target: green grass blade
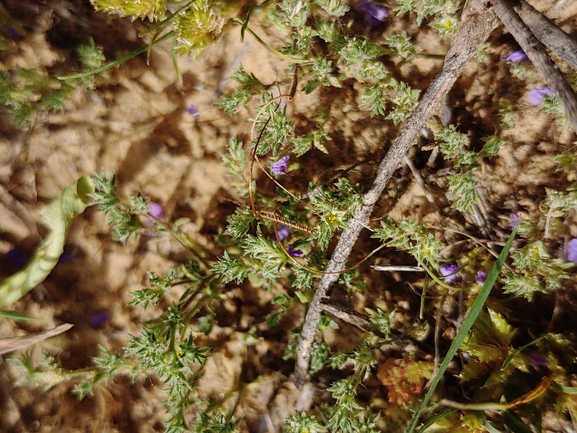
{"x": 12, "y": 315}
{"x": 519, "y": 350}
{"x": 58, "y": 215}
{"x": 436, "y": 418}
{"x": 515, "y": 423}
{"x": 467, "y": 325}
{"x": 570, "y": 390}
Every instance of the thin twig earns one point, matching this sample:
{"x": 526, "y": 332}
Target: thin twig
{"x": 536, "y": 52}
{"x": 437, "y": 338}
{"x": 478, "y": 22}
{"x": 394, "y": 268}
{"x": 350, "y": 316}
{"x": 423, "y": 186}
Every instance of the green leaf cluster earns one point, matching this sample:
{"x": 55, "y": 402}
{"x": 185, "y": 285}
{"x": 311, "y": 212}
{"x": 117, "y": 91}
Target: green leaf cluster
{"x": 122, "y": 215}
{"x": 463, "y": 184}
{"x": 249, "y": 86}
{"x": 152, "y": 9}
{"x": 408, "y": 235}
{"x": 536, "y": 271}
{"x": 443, "y": 13}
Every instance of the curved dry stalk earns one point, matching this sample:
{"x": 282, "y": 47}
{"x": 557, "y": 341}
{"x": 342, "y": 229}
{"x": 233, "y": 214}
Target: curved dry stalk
{"x": 477, "y": 24}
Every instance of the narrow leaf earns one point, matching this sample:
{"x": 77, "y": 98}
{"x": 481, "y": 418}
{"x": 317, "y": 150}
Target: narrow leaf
{"x": 467, "y": 325}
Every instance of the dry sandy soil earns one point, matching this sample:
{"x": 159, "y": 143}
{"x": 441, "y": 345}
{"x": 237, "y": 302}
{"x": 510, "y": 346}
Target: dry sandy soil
{"x": 135, "y": 123}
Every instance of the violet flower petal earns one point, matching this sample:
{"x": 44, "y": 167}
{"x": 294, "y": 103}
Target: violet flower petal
{"x": 538, "y": 360}
{"x": 572, "y": 250}
{"x": 71, "y": 252}
{"x": 449, "y": 272}
{"x": 18, "y": 258}
{"x": 480, "y": 277}
{"x": 537, "y": 95}
{"x": 513, "y": 220}
{"x": 155, "y": 209}
{"x": 99, "y": 319}
{"x": 193, "y": 110}
{"x": 515, "y": 57}
{"x": 14, "y": 34}
{"x": 279, "y": 167}
{"x": 293, "y": 252}
{"x": 283, "y": 232}
{"x": 374, "y": 14}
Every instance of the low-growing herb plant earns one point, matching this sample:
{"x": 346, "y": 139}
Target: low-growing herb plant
{"x": 285, "y": 237}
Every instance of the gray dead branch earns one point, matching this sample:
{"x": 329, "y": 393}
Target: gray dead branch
{"x": 548, "y": 33}
{"x": 477, "y": 24}
{"x": 478, "y": 21}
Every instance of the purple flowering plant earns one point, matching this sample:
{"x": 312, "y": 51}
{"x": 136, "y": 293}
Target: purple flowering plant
{"x": 571, "y": 255}
{"x": 99, "y": 319}
{"x": 17, "y": 258}
{"x": 480, "y": 277}
{"x": 249, "y": 256}
{"x": 374, "y": 14}
{"x": 537, "y": 95}
{"x": 513, "y": 220}
{"x": 294, "y": 252}
{"x": 283, "y": 232}
{"x": 515, "y": 57}
{"x": 449, "y": 271}
{"x": 279, "y": 167}
{"x": 155, "y": 210}
{"x": 193, "y": 110}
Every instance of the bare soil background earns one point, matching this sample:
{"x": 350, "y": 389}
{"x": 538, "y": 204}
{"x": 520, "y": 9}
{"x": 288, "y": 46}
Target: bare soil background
{"x": 136, "y": 123}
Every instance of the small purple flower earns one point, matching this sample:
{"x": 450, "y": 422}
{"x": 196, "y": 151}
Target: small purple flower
{"x": 572, "y": 250}
{"x": 14, "y": 34}
{"x": 480, "y": 277}
{"x": 279, "y": 167}
{"x": 449, "y": 272}
{"x": 513, "y": 220}
{"x": 17, "y": 258}
{"x": 283, "y": 233}
{"x": 193, "y": 110}
{"x": 99, "y": 319}
{"x": 538, "y": 360}
{"x": 293, "y": 252}
{"x": 71, "y": 253}
{"x": 374, "y": 14}
{"x": 156, "y": 211}
{"x": 537, "y": 95}
{"x": 515, "y": 57}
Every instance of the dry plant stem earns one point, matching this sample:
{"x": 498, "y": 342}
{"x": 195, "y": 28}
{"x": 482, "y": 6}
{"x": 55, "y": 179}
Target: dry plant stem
{"x": 437, "y": 337}
{"x": 478, "y": 22}
{"x": 536, "y": 52}
{"x": 548, "y": 33}
{"x": 350, "y": 316}
{"x": 423, "y": 185}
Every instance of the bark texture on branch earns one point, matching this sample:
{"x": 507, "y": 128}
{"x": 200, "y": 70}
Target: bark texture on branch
{"x": 548, "y": 33}
{"x": 477, "y": 24}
